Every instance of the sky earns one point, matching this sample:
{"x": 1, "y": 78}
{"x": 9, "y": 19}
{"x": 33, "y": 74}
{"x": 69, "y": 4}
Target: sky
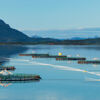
{"x": 50, "y": 14}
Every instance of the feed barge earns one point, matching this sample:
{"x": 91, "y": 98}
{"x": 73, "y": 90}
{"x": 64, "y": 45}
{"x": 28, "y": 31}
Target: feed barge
{"x": 19, "y": 77}
{"x": 89, "y": 62}
{"x": 71, "y": 58}
{"x": 7, "y": 68}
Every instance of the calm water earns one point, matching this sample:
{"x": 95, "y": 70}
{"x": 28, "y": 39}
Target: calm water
{"x": 61, "y": 80}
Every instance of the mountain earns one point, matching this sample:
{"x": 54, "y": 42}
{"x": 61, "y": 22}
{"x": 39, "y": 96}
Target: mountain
{"x": 90, "y": 41}
{"x": 77, "y": 38}
{"x": 44, "y": 40}
{"x": 65, "y": 34}
{"x": 8, "y": 34}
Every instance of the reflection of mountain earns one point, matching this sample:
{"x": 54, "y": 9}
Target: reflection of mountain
{"x": 7, "y": 51}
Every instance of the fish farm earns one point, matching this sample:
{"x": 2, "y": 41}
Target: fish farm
{"x": 19, "y": 77}
{"x": 50, "y": 56}
{"x": 7, "y": 68}
{"x": 71, "y": 58}
{"x": 43, "y": 55}
{"x": 37, "y": 55}
{"x": 30, "y": 77}
{"x": 89, "y": 62}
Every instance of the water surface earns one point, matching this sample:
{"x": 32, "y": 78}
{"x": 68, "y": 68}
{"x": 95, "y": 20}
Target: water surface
{"x": 61, "y": 80}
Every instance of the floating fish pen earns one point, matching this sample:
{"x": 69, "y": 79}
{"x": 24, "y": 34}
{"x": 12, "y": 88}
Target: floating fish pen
{"x": 71, "y": 58}
{"x": 36, "y": 55}
{"x": 19, "y": 77}
{"x": 43, "y": 55}
{"x": 40, "y": 56}
{"x": 7, "y": 68}
{"x": 56, "y": 56}
{"x": 89, "y": 62}
{"x": 50, "y": 56}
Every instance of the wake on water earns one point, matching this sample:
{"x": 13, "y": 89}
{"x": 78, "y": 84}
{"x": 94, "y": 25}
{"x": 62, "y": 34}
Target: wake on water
{"x": 56, "y": 66}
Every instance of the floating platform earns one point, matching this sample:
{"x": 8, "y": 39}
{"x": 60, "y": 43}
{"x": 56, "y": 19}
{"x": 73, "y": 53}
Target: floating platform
{"x": 7, "y": 68}
{"x": 43, "y": 55}
{"x": 19, "y": 77}
{"x": 89, "y": 62}
{"x": 50, "y": 56}
{"x": 34, "y": 55}
{"x": 71, "y": 58}
{"x": 56, "y": 56}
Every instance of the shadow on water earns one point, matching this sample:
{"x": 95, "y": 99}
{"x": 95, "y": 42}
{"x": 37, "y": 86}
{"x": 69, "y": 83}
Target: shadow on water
{"x": 10, "y": 50}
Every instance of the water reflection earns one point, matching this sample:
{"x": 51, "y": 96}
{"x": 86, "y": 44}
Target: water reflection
{"x": 9, "y": 83}
{"x": 5, "y": 84}
{"x": 10, "y": 50}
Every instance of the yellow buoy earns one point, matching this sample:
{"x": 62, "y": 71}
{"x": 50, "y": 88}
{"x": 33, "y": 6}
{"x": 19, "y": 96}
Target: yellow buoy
{"x": 59, "y": 53}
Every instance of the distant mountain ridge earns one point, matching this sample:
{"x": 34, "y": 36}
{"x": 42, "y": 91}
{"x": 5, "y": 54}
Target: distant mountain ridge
{"x": 65, "y": 34}
{"x": 10, "y": 35}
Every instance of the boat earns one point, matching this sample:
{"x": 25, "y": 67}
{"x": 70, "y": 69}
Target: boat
{"x": 8, "y": 76}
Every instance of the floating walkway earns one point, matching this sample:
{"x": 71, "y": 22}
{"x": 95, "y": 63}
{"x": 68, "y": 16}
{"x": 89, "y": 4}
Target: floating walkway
{"x": 19, "y": 77}
{"x": 50, "y": 56}
{"x": 71, "y": 58}
{"x": 89, "y": 62}
{"x": 7, "y": 68}
{"x": 43, "y": 55}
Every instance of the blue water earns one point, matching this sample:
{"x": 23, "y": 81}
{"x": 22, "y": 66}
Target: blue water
{"x": 61, "y": 80}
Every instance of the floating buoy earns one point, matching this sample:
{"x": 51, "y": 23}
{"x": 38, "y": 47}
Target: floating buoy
{"x": 60, "y": 54}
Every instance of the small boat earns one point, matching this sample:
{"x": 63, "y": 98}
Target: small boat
{"x": 8, "y": 76}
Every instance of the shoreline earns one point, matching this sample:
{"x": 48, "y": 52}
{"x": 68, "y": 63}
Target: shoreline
{"x": 16, "y": 43}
